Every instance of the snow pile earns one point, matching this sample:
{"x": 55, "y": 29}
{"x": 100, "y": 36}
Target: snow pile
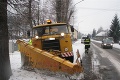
{"x": 80, "y": 47}
{"x": 20, "y": 74}
{"x": 116, "y": 45}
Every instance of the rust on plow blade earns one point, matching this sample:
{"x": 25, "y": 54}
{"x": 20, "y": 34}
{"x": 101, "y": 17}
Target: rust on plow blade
{"x": 37, "y": 58}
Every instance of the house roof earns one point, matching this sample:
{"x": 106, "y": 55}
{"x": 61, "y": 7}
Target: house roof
{"x": 101, "y": 34}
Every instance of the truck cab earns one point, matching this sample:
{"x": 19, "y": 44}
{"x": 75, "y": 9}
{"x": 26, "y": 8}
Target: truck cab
{"x": 54, "y": 38}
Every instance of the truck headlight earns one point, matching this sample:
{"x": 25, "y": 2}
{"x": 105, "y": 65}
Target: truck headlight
{"x": 62, "y": 34}
{"x": 66, "y": 49}
{"x": 51, "y": 38}
{"x": 36, "y": 37}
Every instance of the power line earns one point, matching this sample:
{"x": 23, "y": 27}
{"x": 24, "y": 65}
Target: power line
{"x": 77, "y": 3}
{"x": 100, "y": 9}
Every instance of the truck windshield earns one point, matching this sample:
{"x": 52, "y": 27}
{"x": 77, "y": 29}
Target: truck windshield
{"x": 52, "y": 30}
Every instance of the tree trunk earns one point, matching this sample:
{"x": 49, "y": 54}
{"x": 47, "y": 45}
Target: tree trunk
{"x": 5, "y": 69}
{"x": 30, "y": 16}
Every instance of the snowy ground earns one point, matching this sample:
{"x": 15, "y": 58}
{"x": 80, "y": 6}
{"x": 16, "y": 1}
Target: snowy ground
{"x": 20, "y": 74}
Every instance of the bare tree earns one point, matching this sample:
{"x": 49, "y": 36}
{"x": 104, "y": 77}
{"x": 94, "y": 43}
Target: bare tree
{"x": 23, "y": 14}
{"x": 63, "y": 9}
{"x": 100, "y": 29}
{"x": 5, "y": 69}
{"x": 28, "y": 13}
{"x": 31, "y": 12}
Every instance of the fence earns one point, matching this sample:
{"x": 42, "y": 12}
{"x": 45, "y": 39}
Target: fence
{"x": 12, "y": 46}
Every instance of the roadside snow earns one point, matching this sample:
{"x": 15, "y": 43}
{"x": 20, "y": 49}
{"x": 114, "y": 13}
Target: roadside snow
{"x": 80, "y": 47}
{"x": 116, "y": 45}
{"x": 20, "y": 74}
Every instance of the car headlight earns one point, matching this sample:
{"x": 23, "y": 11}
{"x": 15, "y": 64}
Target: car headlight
{"x": 62, "y": 34}
{"x": 111, "y": 44}
{"x": 104, "y": 44}
{"x": 66, "y": 49}
{"x": 36, "y": 37}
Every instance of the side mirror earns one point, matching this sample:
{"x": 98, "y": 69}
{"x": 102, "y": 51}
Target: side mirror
{"x": 72, "y": 29}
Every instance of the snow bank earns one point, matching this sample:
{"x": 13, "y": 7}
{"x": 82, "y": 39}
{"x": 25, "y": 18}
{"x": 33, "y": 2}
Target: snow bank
{"x": 80, "y": 47}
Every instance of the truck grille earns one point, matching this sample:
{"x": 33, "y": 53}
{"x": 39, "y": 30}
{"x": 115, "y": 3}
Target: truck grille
{"x": 51, "y": 44}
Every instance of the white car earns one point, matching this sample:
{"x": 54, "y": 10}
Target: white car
{"x": 82, "y": 39}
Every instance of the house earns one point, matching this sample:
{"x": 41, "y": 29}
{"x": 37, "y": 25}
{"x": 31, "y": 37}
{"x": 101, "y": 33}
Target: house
{"x": 100, "y": 36}
{"x": 75, "y": 36}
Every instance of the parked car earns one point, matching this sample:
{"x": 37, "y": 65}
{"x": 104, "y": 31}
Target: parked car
{"x": 107, "y": 43}
{"x": 119, "y": 42}
{"x": 82, "y": 39}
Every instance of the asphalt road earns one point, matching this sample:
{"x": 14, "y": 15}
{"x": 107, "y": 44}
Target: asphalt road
{"x": 114, "y": 52}
{"x": 102, "y": 64}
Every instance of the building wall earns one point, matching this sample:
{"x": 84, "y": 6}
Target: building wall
{"x": 75, "y": 34}
{"x": 99, "y": 38}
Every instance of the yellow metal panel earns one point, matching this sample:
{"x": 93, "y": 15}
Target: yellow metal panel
{"x": 43, "y": 60}
{"x": 44, "y": 25}
{"x": 66, "y": 42}
{"x": 36, "y": 43}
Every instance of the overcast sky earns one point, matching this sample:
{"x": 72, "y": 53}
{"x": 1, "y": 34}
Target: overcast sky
{"x": 90, "y": 14}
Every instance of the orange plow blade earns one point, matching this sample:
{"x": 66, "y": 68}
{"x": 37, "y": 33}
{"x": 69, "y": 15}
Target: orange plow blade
{"x": 37, "y": 58}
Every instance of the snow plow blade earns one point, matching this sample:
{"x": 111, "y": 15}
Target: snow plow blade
{"x": 37, "y": 58}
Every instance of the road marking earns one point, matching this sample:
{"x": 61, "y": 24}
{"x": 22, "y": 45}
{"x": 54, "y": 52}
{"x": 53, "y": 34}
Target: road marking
{"x": 113, "y": 60}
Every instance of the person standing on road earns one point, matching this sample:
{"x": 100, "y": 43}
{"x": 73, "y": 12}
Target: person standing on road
{"x": 87, "y": 44}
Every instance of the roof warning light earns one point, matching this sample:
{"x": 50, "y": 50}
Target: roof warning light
{"x": 49, "y": 22}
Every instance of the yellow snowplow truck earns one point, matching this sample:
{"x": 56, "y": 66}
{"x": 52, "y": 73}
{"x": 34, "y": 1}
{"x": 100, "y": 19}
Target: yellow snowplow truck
{"x": 51, "y": 49}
